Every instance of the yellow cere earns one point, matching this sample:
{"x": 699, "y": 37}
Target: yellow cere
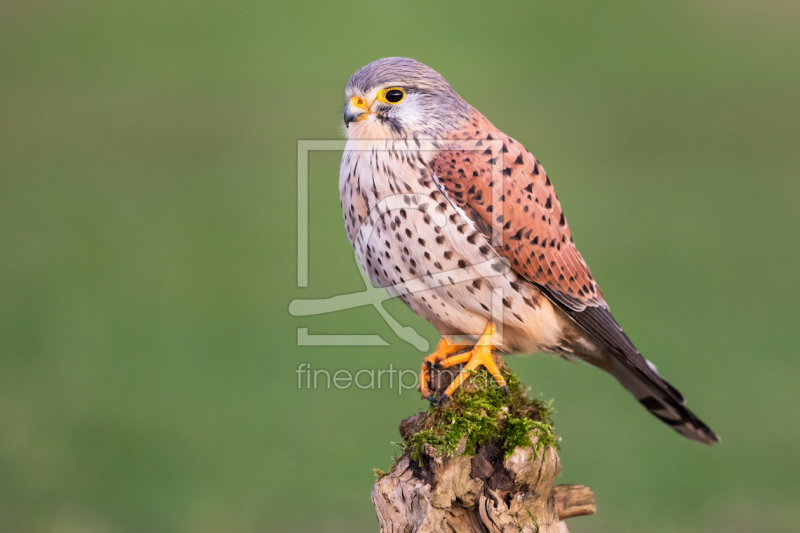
{"x": 359, "y": 102}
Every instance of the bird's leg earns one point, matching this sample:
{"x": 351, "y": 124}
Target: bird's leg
{"x": 444, "y": 349}
{"x": 480, "y": 355}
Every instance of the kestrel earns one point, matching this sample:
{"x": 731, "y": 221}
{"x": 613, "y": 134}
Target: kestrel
{"x": 462, "y": 223}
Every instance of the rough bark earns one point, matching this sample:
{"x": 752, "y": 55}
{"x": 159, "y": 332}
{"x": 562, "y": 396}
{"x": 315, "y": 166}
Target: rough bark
{"x": 479, "y": 490}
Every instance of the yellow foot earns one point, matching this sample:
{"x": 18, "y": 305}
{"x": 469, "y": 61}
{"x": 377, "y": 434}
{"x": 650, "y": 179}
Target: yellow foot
{"x": 480, "y": 355}
{"x": 443, "y": 350}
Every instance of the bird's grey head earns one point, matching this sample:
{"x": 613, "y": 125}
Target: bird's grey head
{"x": 399, "y": 98}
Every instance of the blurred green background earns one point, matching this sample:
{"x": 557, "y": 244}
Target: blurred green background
{"x": 148, "y": 254}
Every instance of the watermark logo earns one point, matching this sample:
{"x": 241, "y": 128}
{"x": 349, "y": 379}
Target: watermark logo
{"x": 390, "y": 378}
{"x": 375, "y": 295}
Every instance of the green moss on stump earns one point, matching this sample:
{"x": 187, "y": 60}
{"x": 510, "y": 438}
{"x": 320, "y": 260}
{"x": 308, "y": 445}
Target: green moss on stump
{"x": 480, "y": 411}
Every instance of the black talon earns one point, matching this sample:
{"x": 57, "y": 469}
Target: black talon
{"x": 437, "y": 366}
{"x": 505, "y": 390}
{"x": 443, "y": 399}
{"x": 431, "y": 399}
{"x": 430, "y": 365}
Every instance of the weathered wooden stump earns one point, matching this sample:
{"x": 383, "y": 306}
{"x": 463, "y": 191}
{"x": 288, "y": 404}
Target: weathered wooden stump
{"x": 482, "y": 462}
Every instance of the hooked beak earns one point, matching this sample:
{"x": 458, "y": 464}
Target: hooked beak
{"x": 355, "y": 111}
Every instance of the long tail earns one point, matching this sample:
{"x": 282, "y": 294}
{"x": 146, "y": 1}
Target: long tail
{"x": 614, "y": 352}
{"x": 663, "y": 401}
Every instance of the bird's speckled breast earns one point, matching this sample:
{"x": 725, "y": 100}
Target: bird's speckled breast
{"x": 412, "y": 240}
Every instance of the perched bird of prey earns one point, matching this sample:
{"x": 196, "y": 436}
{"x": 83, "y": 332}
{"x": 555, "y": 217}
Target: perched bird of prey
{"x": 462, "y": 223}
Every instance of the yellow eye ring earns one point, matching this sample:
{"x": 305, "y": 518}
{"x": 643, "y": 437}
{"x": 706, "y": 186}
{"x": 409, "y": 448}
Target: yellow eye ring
{"x": 391, "y": 95}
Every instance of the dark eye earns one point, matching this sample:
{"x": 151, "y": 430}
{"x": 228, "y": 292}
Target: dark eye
{"x": 394, "y": 96}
